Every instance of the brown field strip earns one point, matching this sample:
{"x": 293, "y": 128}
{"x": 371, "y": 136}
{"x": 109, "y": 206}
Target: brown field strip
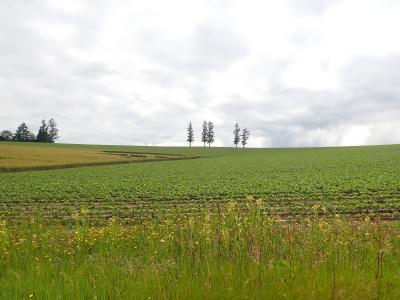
{"x": 14, "y": 158}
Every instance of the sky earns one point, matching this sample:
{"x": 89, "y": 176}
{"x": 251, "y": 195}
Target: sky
{"x": 295, "y": 73}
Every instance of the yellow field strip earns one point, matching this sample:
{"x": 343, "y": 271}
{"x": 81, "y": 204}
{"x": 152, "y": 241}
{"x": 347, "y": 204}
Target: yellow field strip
{"x": 21, "y": 158}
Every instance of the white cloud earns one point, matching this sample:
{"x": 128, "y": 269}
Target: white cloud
{"x": 355, "y": 135}
{"x": 296, "y": 73}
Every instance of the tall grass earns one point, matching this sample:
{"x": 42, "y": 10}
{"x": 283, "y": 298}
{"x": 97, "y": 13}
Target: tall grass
{"x": 221, "y": 252}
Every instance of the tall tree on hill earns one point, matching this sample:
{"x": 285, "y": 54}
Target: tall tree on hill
{"x": 245, "y": 136}
{"x": 204, "y": 133}
{"x": 53, "y": 131}
{"x": 236, "y": 135}
{"x": 6, "y": 135}
{"x": 190, "y": 134}
{"x": 210, "y": 133}
{"x": 43, "y": 133}
{"x": 22, "y": 134}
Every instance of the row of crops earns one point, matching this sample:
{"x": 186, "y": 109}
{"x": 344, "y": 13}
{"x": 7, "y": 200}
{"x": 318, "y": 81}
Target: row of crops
{"x": 290, "y": 182}
{"x": 143, "y": 210}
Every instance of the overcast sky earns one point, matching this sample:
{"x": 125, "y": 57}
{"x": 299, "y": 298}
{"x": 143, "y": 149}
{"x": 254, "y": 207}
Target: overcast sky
{"x": 295, "y": 73}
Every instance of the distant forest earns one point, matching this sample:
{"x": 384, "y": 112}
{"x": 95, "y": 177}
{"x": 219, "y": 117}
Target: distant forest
{"x": 48, "y": 133}
{"x": 208, "y": 135}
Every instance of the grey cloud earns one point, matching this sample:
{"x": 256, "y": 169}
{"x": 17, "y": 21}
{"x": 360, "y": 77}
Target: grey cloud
{"x": 213, "y": 46}
{"x": 368, "y": 96}
{"x": 95, "y": 100}
{"x": 216, "y": 47}
{"x": 93, "y": 69}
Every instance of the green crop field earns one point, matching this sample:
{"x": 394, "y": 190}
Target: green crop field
{"x": 355, "y": 180}
{"x": 306, "y": 223}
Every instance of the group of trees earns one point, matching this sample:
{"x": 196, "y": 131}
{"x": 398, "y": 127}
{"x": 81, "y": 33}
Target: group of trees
{"x": 208, "y": 136}
{"x": 240, "y": 137}
{"x": 48, "y": 133}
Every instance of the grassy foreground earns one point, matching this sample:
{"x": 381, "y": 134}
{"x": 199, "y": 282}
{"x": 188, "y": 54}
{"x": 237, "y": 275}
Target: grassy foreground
{"x": 222, "y": 253}
{"x": 322, "y": 223}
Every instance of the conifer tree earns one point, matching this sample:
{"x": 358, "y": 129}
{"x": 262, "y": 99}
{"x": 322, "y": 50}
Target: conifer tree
{"x": 245, "y": 136}
{"x": 210, "y": 133}
{"x": 236, "y": 135}
{"x": 190, "y": 135}
{"x": 43, "y": 133}
{"x": 22, "y": 133}
{"x": 204, "y": 133}
{"x": 53, "y": 131}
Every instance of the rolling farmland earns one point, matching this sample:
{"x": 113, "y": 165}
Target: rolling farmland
{"x": 307, "y": 223}
{"x": 231, "y": 165}
{"x": 355, "y": 180}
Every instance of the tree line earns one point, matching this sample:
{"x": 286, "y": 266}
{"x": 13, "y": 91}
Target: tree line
{"x": 208, "y": 136}
{"x": 48, "y": 133}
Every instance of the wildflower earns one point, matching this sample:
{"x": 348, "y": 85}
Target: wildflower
{"x": 30, "y": 295}
{"x": 249, "y": 198}
{"x": 315, "y": 207}
{"x": 231, "y": 205}
{"x": 162, "y": 241}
